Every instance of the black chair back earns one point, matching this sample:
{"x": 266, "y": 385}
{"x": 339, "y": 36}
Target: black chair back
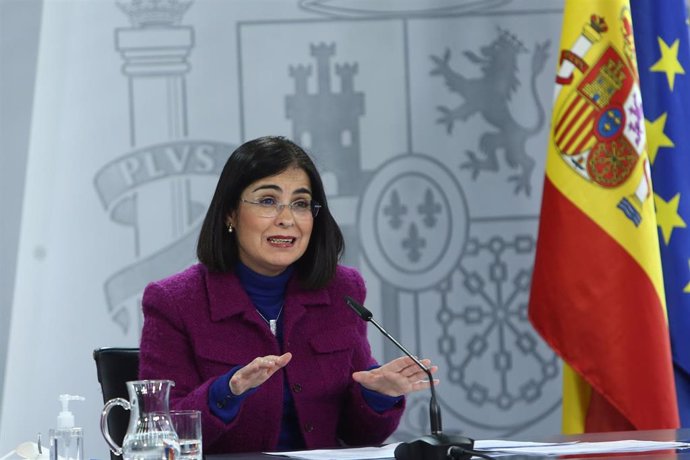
{"x": 116, "y": 367}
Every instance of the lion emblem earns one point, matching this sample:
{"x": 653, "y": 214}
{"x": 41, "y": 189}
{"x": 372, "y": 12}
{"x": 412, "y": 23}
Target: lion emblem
{"x": 489, "y": 96}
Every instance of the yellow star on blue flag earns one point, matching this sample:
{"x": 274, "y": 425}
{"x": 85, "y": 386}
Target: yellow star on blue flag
{"x": 663, "y": 55}
{"x": 668, "y": 63}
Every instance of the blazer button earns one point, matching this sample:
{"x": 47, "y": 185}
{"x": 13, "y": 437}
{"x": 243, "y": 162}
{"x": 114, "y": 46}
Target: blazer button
{"x": 220, "y": 404}
{"x": 296, "y": 387}
{"x": 308, "y": 427}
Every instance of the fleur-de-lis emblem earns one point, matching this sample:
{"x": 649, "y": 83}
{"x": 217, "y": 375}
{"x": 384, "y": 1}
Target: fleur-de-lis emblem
{"x": 395, "y": 210}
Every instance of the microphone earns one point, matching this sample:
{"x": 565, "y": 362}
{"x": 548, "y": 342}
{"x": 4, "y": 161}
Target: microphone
{"x": 438, "y": 445}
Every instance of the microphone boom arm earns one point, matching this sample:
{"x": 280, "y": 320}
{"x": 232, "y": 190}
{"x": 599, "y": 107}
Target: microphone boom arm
{"x": 434, "y": 409}
{"x": 438, "y": 446}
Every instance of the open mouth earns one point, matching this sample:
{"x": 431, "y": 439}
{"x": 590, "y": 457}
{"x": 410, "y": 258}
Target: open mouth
{"x": 281, "y": 240}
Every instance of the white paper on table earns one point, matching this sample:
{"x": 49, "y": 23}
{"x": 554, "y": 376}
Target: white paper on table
{"x": 572, "y": 448}
{"x": 499, "y": 444}
{"x": 387, "y": 451}
{"x": 355, "y": 453}
{"x": 495, "y": 446}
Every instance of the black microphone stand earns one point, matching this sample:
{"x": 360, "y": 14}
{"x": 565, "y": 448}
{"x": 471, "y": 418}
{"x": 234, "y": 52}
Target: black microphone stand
{"x": 438, "y": 445}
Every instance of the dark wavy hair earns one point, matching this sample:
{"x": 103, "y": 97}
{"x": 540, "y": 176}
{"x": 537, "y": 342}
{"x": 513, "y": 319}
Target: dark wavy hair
{"x": 254, "y": 160}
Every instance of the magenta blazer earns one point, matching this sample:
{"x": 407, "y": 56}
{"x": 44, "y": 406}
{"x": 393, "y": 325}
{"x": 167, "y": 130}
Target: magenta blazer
{"x": 199, "y": 324}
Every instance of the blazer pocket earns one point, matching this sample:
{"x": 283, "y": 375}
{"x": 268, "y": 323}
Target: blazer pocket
{"x": 332, "y": 341}
{"x": 332, "y": 353}
{"x": 214, "y": 360}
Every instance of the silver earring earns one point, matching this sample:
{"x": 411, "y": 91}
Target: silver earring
{"x": 230, "y": 228}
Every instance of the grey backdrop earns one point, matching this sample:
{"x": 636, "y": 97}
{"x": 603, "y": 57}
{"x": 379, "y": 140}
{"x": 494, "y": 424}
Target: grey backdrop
{"x": 19, "y": 34}
{"x": 428, "y": 121}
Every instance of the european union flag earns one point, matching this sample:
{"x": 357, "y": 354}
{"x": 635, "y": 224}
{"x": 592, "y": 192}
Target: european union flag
{"x": 661, "y": 39}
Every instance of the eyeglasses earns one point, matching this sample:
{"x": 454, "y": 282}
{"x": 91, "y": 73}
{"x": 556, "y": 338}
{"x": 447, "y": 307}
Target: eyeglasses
{"x": 267, "y": 207}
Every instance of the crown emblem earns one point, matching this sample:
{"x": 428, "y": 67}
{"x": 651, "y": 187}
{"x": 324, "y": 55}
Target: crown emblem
{"x": 152, "y": 13}
{"x": 598, "y": 23}
{"x": 510, "y": 41}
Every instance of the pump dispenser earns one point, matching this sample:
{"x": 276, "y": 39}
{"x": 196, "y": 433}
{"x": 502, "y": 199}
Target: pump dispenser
{"x": 67, "y": 441}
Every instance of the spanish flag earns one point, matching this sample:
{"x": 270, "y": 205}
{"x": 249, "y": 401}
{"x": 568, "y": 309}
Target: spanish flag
{"x": 597, "y": 293}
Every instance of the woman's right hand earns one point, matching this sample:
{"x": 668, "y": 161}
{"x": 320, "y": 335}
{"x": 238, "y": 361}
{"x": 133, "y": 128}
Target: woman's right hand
{"x": 257, "y": 372}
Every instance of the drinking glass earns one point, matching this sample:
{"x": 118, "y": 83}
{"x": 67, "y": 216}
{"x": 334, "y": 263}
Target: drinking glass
{"x": 187, "y": 424}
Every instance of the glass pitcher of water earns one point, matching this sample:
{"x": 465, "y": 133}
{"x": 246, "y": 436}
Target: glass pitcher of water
{"x": 150, "y": 434}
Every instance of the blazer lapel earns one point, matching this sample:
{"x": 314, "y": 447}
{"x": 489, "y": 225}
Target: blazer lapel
{"x": 297, "y": 302}
{"x": 226, "y": 296}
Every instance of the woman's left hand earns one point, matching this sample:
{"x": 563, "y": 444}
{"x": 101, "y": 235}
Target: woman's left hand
{"x": 395, "y": 378}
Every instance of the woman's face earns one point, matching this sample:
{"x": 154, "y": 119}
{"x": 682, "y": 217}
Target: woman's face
{"x": 269, "y": 244}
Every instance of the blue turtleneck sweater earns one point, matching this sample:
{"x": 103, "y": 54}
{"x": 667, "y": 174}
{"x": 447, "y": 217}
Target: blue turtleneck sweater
{"x": 268, "y": 295}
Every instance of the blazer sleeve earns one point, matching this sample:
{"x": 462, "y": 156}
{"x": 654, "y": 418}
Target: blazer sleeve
{"x": 166, "y": 353}
{"x": 359, "y": 423}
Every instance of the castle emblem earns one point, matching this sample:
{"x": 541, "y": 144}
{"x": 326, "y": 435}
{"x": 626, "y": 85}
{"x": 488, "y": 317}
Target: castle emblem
{"x": 326, "y": 122}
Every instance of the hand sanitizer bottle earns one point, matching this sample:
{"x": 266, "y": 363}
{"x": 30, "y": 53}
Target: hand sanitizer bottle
{"x": 67, "y": 441}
